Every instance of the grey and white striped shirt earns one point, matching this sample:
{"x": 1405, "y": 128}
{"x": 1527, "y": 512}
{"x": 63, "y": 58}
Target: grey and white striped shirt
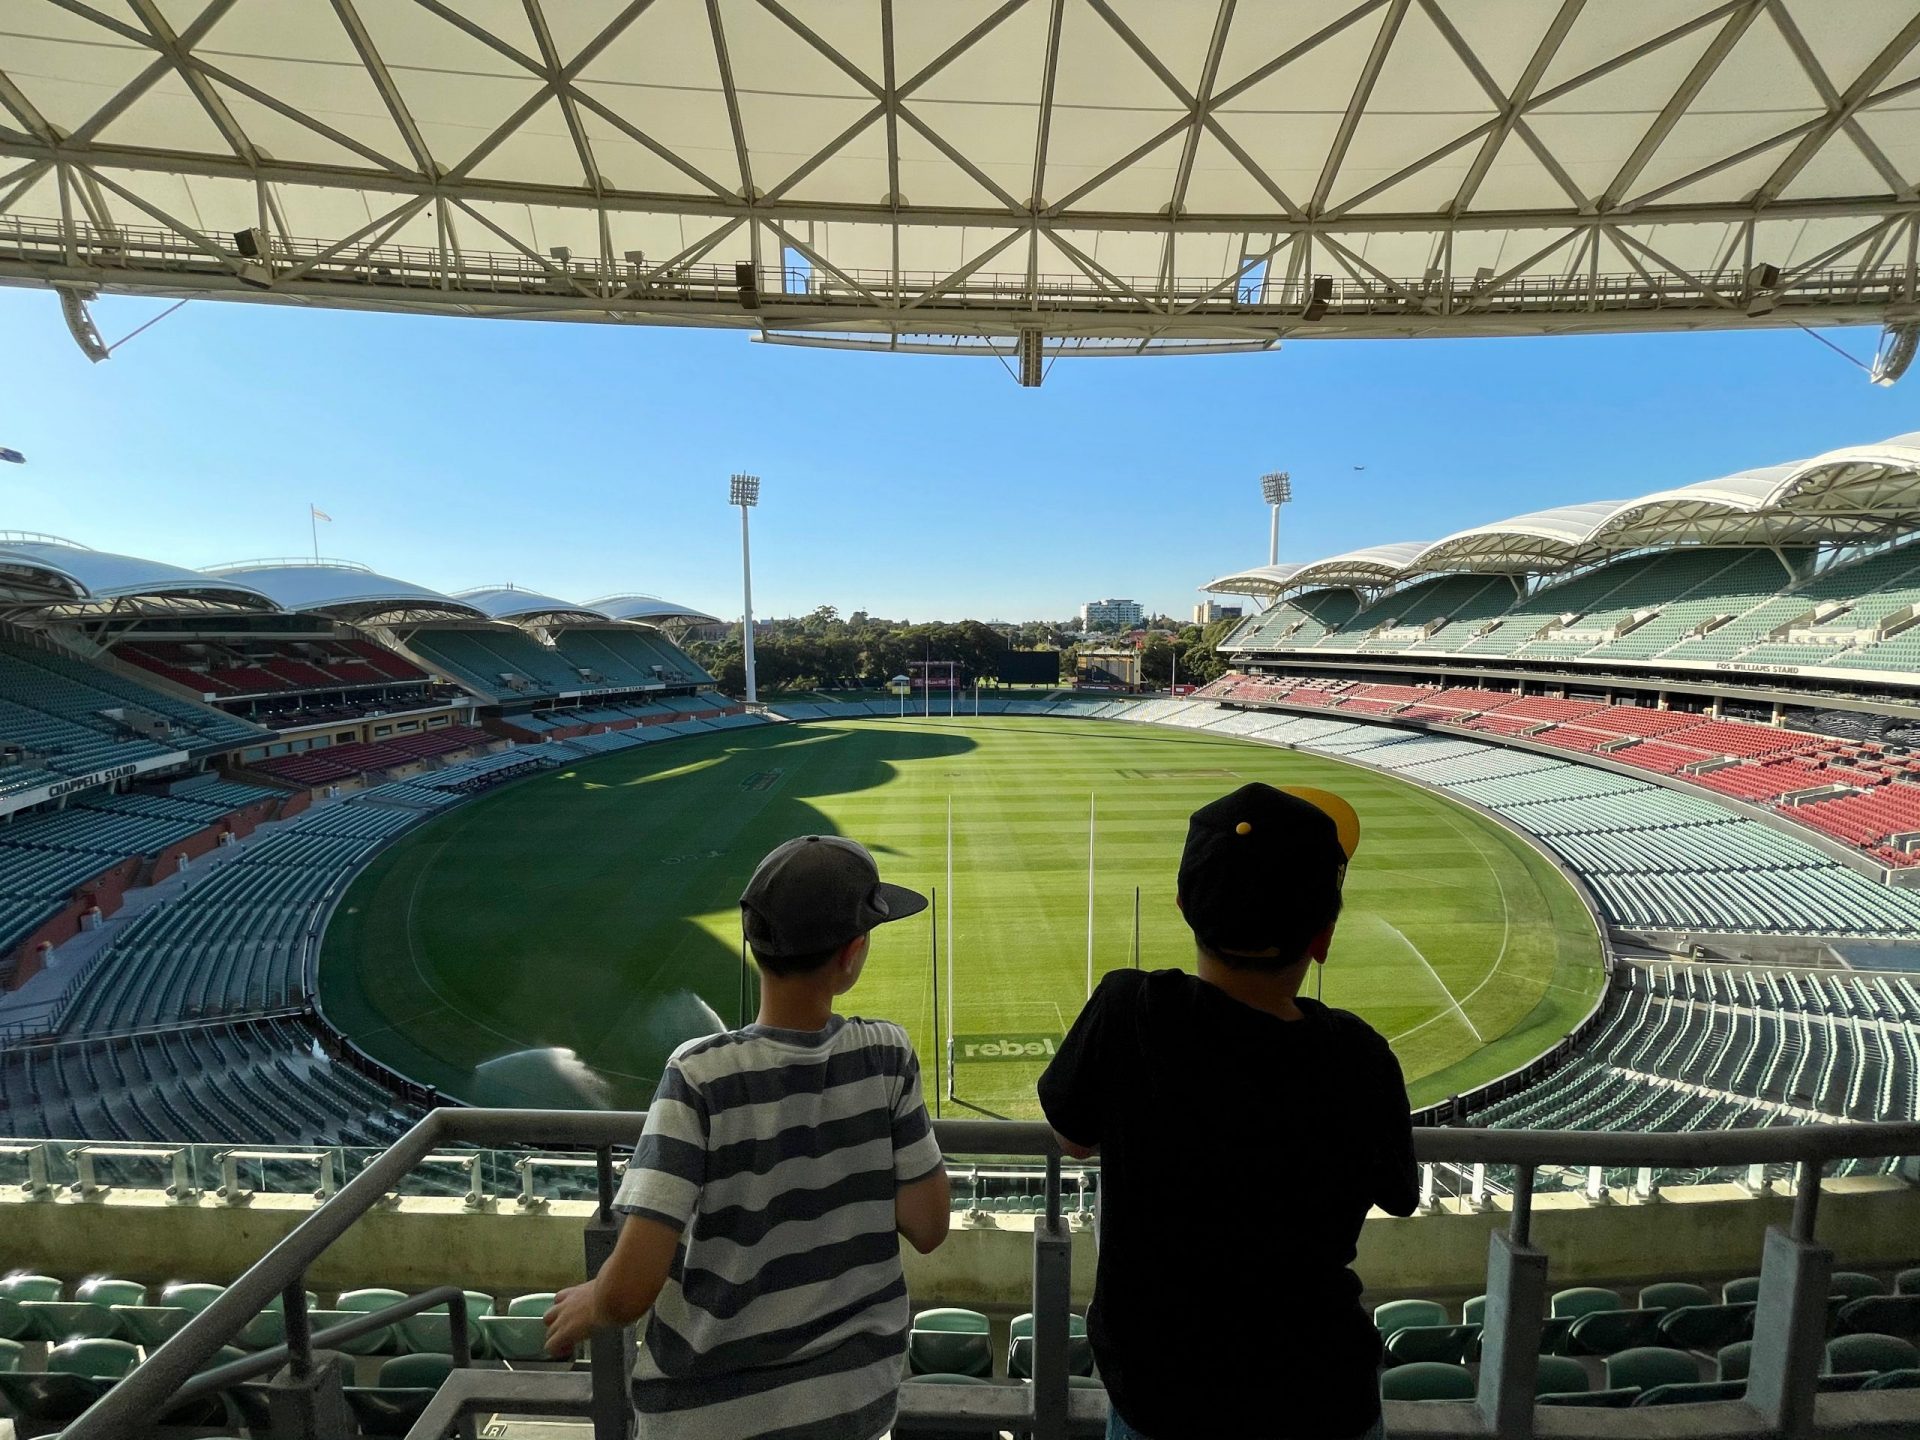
{"x": 777, "y": 1153}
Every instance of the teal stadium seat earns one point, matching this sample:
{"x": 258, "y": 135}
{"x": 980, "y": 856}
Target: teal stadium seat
{"x": 1441, "y": 1344}
{"x": 1674, "y": 1295}
{"x": 12, "y": 1352}
{"x": 1693, "y": 1392}
{"x": 1706, "y": 1327}
{"x": 1733, "y": 1361}
{"x": 269, "y": 1327}
{"x": 1399, "y": 1314}
{"x": 1743, "y": 1291}
{"x": 1583, "y": 1300}
{"x": 21, "y": 1286}
{"x": 1608, "y": 1332}
{"x": 1854, "y": 1285}
{"x": 1561, "y": 1375}
{"x": 407, "y": 1384}
{"x": 365, "y": 1302}
{"x": 1869, "y": 1354}
{"x": 1426, "y": 1380}
{"x": 431, "y": 1331}
{"x": 14, "y": 1321}
{"x": 1881, "y": 1315}
{"x": 1020, "y": 1347}
{"x": 1647, "y": 1367}
{"x": 1894, "y": 1380}
{"x": 1907, "y": 1282}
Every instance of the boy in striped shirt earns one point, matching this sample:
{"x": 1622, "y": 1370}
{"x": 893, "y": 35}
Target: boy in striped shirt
{"x": 779, "y": 1164}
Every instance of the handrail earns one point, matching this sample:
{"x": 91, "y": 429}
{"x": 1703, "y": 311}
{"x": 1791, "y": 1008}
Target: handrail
{"x": 144, "y": 1392}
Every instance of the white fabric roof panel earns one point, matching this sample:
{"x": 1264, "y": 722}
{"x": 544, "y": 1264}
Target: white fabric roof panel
{"x": 336, "y": 587}
{"x": 508, "y": 602}
{"x": 1374, "y": 565}
{"x": 101, "y": 575}
{"x": 649, "y": 609}
{"x": 1260, "y": 580}
{"x": 1447, "y": 166}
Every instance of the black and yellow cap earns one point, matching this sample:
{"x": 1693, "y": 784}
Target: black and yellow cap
{"x": 1257, "y": 857}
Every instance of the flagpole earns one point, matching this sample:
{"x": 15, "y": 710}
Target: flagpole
{"x": 313, "y": 524}
{"x": 1090, "y": 815}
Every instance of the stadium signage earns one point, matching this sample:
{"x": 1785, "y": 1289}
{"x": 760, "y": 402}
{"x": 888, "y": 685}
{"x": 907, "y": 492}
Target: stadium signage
{"x": 1006, "y": 1046}
{"x": 87, "y": 782}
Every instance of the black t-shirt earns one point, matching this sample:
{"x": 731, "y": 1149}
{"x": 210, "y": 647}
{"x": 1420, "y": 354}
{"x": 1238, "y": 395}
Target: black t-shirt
{"x": 1239, "y": 1153}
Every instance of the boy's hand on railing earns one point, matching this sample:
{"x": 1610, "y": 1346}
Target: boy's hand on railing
{"x": 574, "y": 1316}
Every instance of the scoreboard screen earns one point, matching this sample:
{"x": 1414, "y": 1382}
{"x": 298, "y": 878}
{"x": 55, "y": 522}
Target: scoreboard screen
{"x": 1029, "y": 667}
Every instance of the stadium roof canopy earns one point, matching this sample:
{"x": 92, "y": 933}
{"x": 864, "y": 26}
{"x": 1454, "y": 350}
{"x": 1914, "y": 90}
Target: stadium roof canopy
{"x": 1374, "y": 566}
{"x": 43, "y": 572}
{"x": 527, "y": 607}
{"x": 1545, "y": 540}
{"x": 1080, "y": 176}
{"x": 1262, "y": 580}
{"x": 345, "y": 591}
{"x": 649, "y": 610}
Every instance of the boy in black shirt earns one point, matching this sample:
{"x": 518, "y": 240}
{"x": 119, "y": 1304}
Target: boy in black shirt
{"x": 1244, "y": 1131}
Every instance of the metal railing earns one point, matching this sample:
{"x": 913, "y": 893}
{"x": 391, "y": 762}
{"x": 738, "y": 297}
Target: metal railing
{"x": 1781, "y": 1396}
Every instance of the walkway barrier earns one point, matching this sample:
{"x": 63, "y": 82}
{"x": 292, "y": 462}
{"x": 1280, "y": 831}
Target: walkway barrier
{"x": 1782, "y": 1398}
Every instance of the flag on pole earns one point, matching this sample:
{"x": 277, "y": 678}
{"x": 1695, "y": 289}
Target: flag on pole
{"x": 320, "y": 514}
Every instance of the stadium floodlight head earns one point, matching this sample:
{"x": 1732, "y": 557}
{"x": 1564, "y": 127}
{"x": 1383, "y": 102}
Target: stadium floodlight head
{"x": 1277, "y": 488}
{"x": 745, "y": 490}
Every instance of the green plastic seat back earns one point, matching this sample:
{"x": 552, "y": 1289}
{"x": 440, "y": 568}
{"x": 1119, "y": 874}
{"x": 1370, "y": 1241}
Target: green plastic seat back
{"x": 1895, "y": 1380}
{"x": 1673, "y": 1295}
{"x": 1743, "y": 1291}
{"x": 57, "y": 1320}
{"x": 415, "y": 1371}
{"x": 11, "y": 1353}
{"x": 105, "y": 1290}
{"x": 1706, "y": 1327}
{"x": 365, "y": 1302}
{"x": 378, "y": 1342}
{"x": 943, "y": 1379}
{"x": 13, "y": 1320}
{"x": 1561, "y": 1375}
{"x": 1854, "y": 1285}
{"x": 1020, "y": 1356}
{"x": 965, "y": 1322}
{"x": 1556, "y": 1334}
{"x": 1881, "y": 1315}
{"x": 1648, "y": 1366}
{"x": 1474, "y": 1311}
{"x": 535, "y": 1305}
{"x": 431, "y": 1331}
{"x": 1870, "y": 1354}
{"x": 1595, "y": 1399}
{"x": 45, "y": 1400}
{"x": 1440, "y": 1344}
{"x": 1426, "y": 1380}
{"x": 515, "y": 1337}
{"x": 191, "y": 1296}
{"x": 949, "y": 1352}
{"x": 1583, "y": 1300}
{"x": 1907, "y": 1282}
{"x": 31, "y": 1287}
{"x": 1693, "y": 1392}
{"x": 151, "y": 1326}
{"x": 1608, "y": 1332}
{"x": 1398, "y": 1314}
{"x": 1733, "y": 1361}
{"x": 99, "y": 1359}
{"x": 387, "y": 1410}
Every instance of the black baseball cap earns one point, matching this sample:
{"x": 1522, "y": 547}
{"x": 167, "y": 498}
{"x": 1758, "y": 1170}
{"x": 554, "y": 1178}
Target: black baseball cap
{"x": 817, "y": 892}
{"x": 1260, "y": 856}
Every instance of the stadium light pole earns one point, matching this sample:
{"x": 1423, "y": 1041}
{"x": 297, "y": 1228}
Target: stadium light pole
{"x": 746, "y": 494}
{"x": 1277, "y": 489}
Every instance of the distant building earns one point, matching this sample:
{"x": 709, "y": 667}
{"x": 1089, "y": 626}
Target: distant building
{"x": 1109, "y": 669}
{"x": 1098, "y": 614}
{"x": 1208, "y": 611}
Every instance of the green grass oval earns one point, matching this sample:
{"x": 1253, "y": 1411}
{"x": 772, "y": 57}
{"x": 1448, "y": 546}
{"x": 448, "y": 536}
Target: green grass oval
{"x": 594, "y": 908}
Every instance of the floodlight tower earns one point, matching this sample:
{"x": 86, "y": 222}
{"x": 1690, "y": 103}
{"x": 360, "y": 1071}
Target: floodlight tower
{"x": 1277, "y": 489}
{"x": 746, "y": 494}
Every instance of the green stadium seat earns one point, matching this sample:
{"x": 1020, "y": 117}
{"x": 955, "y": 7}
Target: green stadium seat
{"x": 521, "y": 1338}
{"x": 1474, "y": 1311}
{"x": 922, "y": 1433}
{"x": 431, "y": 1331}
{"x": 1733, "y": 1361}
{"x": 1895, "y": 1380}
{"x": 949, "y": 1352}
{"x": 42, "y": 1402}
{"x": 95, "y": 1358}
{"x": 11, "y": 1354}
{"x": 58, "y": 1320}
{"x": 30, "y": 1287}
{"x": 1561, "y": 1375}
{"x": 1020, "y": 1347}
{"x": 365, "y": 1302}
{"x": 1854, "y": 1285}
{"x": 1595, "y": 1399}
{"x": 1744, "y": 1291}
{"x": 1869, "y": 1354}
{"x": 1880, "y": 1315}
{"x": 961, "y": 1322}
{"x": 1583, "y": 1300}
{"x": 1706, "y": 1327}
{"x": 104, "y": 1290}
{"x": 1674, "y": 1295}
{"x": 1608, "y": 1332}
{"x": 14, "y": 1321}
{"x": 946, "y": 1380}
{"x": 536, "y": 1304}
{"x": 1649, "y": 1366}
{"x": 1425, "y": 1380}
{"x": 1399, "y": 1314}
{"x": 1440, "y": 1344}
{"x": 269, "y": 1327}
{"x": 407, "y": 1383}
{"x": 191, "y": 1296}
{"x": 1907, "y": 1282}
{"x": 1693, "y": 1392}
{"x": 151, "y": 1326}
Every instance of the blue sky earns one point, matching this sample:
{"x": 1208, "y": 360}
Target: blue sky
{"x": 587, "y": 459}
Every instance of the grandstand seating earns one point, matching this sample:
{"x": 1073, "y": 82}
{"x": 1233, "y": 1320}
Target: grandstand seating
{"x": 233, "y": 668}
{"x": 341, "y": 762}
{"x": 53, "y": 706}
{"x": 505, "y": 664}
